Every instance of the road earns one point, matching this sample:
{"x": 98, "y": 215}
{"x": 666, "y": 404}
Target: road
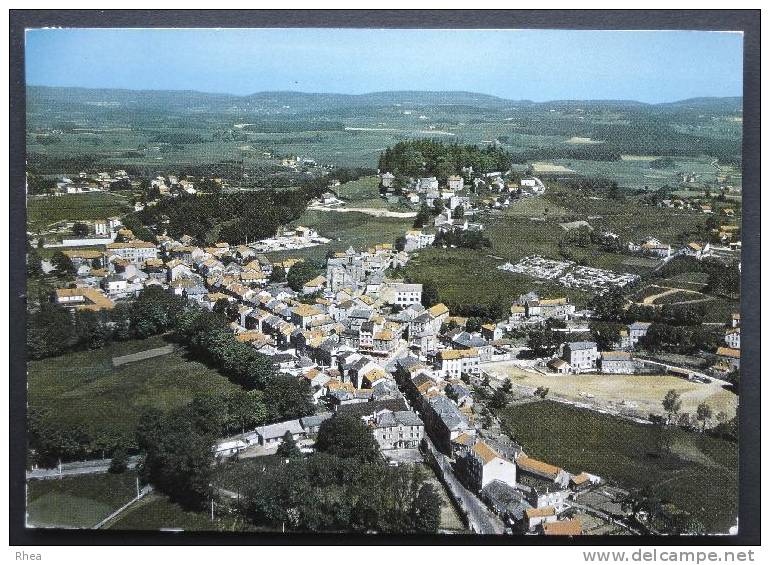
{"x": 376, "y": 212}
{"x": 480, "y": 519}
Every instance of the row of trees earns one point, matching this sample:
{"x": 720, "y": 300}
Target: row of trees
{"x": 610, "y": 307}
{"x": 470, "y": 239}
{"x": 680, "y": 339}
{"x": 53, "y": 330}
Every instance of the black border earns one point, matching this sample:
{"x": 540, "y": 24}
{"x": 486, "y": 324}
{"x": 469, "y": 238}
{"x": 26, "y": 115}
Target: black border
{"x": 747, "y": 21}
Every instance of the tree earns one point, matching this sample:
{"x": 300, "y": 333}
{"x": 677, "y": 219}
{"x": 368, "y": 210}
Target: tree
{"x": 63, "y": 265}
{"x": 178, "y": 454}
{"x": 542, "y": 342}
{"x": 458, "y": 212}
{"x": 609, "y": 306}
{"x": 34, "y": 263}
{"x": 426, "y": 510}
{"x": 278, "y": 274}
{"x": 288, "y": 448}
{"x": 473, "y": 325}
{"x": 499, "y": 400}
{"x": 423, "y": 217}
{"x": 704, "y": 414}
{"x": 672, "y": 402}
{"x": 91, "y": 329}
{"x": 288, "y": 398}
{"x": 80, "y": 229}
{"x": 605, "y": 334}
{"x": 347, "y": 436}
{"x": 221, "y": 306}
{"x": 400, "y": 243}
{"x": 49, "y": 331}
{"x": 119, "y": 461}
{"x": 245, "y": 410}
{"x": 300, "y": 273}
{"x": 429, "y": 294}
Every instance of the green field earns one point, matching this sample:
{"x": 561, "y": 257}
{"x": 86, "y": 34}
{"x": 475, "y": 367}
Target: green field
{"x": 699, "y": 475}
{"x": 43, "y": 211}
{"x": 465, "y": 276}
{"x": 78, "y": 501}
{"x": 155, "y": 512}
{"x": 531, "y": 227}
{"x": 82, "y": 390}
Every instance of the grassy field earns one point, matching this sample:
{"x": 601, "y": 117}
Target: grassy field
{"x": 77, "y": 501}
{"x": 699, "y": 475}
{"x": 363, "y": 193}
{"x": 645, "y": 391}
{"x": 43, "y": 211}
{"x": 531, "y": 227}
{"x": 469, "y": 276}
{"x": 83, "y": 389}
{"x": 156, "y": 512}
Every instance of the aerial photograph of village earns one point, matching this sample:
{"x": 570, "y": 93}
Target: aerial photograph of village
{"x": 383, "y": 281}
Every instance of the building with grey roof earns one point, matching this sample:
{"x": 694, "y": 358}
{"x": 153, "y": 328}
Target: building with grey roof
{"x": 443, "y": 422}
{"x": 581, "y": 355}
{"x": 397, "y": 430}
{"x": 272, "y": 435}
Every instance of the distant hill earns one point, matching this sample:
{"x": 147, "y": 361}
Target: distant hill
{"x": 291, "y": 102}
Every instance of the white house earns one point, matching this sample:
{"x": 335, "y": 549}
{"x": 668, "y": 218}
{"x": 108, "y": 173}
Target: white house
{"x": 581, "y": 355}
{"x": 481, "y": 465}
{"x": 733, "y": 338}
{"x": 455, "y": 182}
{"x": 453, "y": 362}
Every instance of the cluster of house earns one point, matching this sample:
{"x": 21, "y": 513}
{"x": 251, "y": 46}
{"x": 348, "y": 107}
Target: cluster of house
{"x": 296, "y": 162}
{"x": 173, "y": 185}
{"x": 87, "y": 182}
{"x": 570, "y": 274}
{"x": 729, "y": 358}
{"x": 428, "y": 190}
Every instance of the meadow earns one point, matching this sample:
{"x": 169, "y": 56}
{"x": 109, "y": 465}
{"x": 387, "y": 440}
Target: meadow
{"x": 44, "y": 211}
{"x": 83, "y": 390}
{"x": 78, "y": 501}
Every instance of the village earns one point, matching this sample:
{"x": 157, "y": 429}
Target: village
{"x": 368, "y": 345}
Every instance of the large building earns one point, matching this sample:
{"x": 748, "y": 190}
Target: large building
{"x": 481, "y": 465}
{"x": 397, "y": 430}
{"x": 417, "y": 239}
{"x": 454, "y": 362}
{"x": 134, "y": 251}
{"x": 444, "y": 422}
{"x": 581, "y": 355}
{"x": 402, "y": 294}
{"x": 617, "y": 362}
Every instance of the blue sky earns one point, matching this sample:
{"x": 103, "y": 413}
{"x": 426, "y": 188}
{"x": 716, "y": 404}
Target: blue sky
{"x": 529, "y": 64}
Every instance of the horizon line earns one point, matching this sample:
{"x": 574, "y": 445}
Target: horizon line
{"x": 427, "y": 91}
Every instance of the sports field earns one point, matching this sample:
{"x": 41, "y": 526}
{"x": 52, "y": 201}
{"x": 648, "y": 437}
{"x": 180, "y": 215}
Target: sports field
{"x": 642, "y": 393}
